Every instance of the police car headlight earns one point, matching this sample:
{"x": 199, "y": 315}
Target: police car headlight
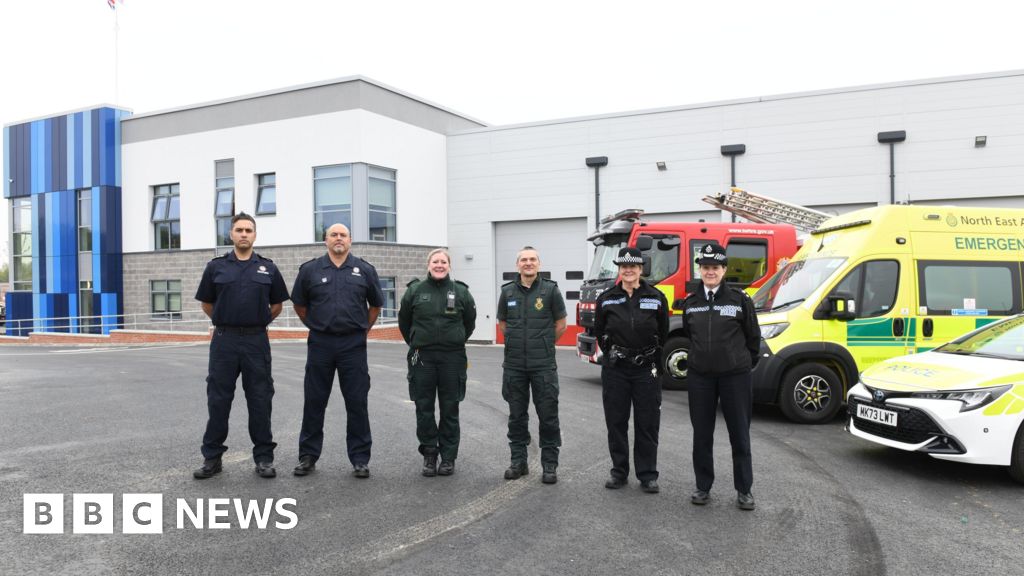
{"x": 773, "y": 330}
{"x": 969, "y": 399}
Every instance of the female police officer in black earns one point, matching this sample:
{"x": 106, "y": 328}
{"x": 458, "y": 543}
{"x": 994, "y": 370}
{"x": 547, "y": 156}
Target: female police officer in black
{"x": 631, "y": 324}
{"x": 436, "y": 318}
{"x": 721, "y": 325}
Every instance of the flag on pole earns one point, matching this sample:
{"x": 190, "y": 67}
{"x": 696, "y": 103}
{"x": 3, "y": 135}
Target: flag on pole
{"x": 113, "y": 3}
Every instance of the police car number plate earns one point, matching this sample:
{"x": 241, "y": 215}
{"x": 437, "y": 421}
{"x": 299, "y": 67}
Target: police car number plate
{"x": 887, "y": 417}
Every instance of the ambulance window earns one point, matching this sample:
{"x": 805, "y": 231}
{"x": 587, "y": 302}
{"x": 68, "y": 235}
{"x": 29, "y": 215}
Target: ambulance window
{"x": 664, "y": 255}
{"x": 873, "y": 285}
{"x": 969, "y": 288}
{"x": 748, "y": 261}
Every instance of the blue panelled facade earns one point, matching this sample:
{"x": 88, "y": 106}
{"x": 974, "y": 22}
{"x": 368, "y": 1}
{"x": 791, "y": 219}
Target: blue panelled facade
{"x": 68, "y": 168}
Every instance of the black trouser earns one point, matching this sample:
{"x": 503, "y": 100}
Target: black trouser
{"x": 440, "y": 375}
{"x": 346, "y": 355}
{"x": 635, "y": 387}
{"x": 736, "y": 397}
{"x": 515, "y": 389}
{"x": 231, "y": 354}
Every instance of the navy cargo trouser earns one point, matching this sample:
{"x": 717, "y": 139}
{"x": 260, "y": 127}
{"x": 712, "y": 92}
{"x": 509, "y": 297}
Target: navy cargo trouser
{"x": 635, "y": 387}
{"x": 233, "y": 353}
{"x": 346, "y": 355}
{"x": 515, "y": 389}
{"x": 440, "y": 375}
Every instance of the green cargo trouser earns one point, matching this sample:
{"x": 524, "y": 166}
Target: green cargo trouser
{"x": 439, "y": 375}
{"x": 515, "y": 389}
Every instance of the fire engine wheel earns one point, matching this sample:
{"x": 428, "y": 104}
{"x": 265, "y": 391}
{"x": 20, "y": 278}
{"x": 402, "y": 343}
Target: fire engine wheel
{"x": 811, "y": 394}
{"x": 674, "y": 363}
{"x": 1017, "y": 456}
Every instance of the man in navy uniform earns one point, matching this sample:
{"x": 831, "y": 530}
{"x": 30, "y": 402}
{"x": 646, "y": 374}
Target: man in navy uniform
{"x": 242, "y": 293}
{"x": 338, "y": 297}
{"x": 725, "y": 338}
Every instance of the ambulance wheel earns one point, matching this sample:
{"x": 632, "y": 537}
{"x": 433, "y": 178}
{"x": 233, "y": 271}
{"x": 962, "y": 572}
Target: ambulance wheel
{"x": 1017, "y": 456}
{"x": 810, "y": 393}
{"x": 674, "y": 363}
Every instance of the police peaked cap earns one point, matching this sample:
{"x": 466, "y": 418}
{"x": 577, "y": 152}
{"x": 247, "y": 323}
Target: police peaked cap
{"x": 629, "y": 256}
{"x": 712, "y": 254}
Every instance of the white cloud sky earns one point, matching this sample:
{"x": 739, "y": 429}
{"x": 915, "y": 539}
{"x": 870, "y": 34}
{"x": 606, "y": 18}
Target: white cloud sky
{"x": 498, "y": 62}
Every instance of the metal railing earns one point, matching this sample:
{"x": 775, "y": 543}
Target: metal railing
{"x": 187, "y": 320}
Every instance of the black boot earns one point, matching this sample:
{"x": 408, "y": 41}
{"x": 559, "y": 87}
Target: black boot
{"x": 430, "y": 465}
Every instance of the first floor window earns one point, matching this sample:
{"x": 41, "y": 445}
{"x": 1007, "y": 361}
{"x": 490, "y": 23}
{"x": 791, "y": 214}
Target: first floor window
{"x": 21, "y": 248}
{"x": 390, "y": 309}
{"x": 165, "y": 299}
{"x": 381, "y": 200}
{"x": 332, "y": 198}
{"x": 266, "y": 194}
{"x": 166, "y": 217}
{"x": 224, "y": 209}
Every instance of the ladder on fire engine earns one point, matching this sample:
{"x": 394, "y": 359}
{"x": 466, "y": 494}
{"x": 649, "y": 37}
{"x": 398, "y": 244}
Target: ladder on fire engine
{"x": 765, "y": 210}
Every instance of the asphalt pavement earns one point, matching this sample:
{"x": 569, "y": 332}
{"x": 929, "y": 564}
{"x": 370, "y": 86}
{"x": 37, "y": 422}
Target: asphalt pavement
{"x": 129, "y": 421}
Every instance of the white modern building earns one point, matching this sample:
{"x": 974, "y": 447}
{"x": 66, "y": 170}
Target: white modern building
{"x": 408, "y": 175}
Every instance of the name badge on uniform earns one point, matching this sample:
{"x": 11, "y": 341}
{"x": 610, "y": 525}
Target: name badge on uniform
{"x": 355, "y": 271}
{"x": 262, "y": 270}
{"x": 650, "y": 304}
{"x": 728, "y": 310}
{"x": 324, "y": 279}
{"x": 513, "y": 303}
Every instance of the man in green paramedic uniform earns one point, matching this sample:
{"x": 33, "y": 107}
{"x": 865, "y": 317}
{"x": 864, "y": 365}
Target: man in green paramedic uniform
{"x": 531, "y": 315}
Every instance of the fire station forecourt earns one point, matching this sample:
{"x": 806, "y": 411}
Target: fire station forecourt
{"x": 119, "y": 421}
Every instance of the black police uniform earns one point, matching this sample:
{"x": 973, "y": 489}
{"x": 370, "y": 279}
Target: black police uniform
{"x": 241, "y": 292}
{"x": 336, "y": 300}
{"x": 724, "y": 342}
{"x": 530, "y": 315}
{"x": 630, "y": 331}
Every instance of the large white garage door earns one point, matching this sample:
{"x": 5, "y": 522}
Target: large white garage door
{"x": 562, "y": 245}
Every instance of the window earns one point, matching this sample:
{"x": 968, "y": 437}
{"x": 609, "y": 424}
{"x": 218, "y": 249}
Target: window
{"x": 873, "y": 286}
{"x": 381, "y": 199}
{"x": 85, "y": 304}
{"x": 21, "y": 249}
{"x": 166, "y": 218}
{"x": 165, "y": 299}
{"x": 390, "y": 308}
{"x": 224, "y": 209}
{"x": 332, "y": 198}
{"x": 664, "y": 255}
{"x": 266, "y": 194}
{"x": 748, "y": 261}
{"x": 967, "y": 288}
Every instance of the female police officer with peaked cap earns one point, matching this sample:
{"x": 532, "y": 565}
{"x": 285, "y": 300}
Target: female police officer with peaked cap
{"x": 631, "y": 324}
{"x": 721, "y": 325}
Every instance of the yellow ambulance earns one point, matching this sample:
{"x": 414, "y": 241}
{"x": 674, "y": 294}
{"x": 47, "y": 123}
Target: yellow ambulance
{"x": 879, "y": 283}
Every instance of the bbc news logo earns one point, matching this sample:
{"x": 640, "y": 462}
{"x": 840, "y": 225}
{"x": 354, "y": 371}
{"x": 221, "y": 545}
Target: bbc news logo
{"x": 144, "y": 514}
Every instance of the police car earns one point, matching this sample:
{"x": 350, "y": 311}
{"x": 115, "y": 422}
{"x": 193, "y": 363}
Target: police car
{"x": 963, "y": 401}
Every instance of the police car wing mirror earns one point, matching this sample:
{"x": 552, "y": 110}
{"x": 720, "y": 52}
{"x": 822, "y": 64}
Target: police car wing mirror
{"x": 644, "y": 243}
{"x": 842, "y": 306}
{"x": 677, "y": 304}
{"x": 647, "y": 266}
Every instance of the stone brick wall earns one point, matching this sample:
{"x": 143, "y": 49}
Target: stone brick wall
{"x": 401, "y": 261}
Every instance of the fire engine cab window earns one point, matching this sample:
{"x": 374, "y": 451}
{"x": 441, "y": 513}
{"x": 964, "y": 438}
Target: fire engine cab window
{"x": 664, "y": 254}
{"x": 748, "y": 261}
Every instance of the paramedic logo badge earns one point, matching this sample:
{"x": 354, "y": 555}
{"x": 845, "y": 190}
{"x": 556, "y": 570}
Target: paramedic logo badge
{"x": 539, "y": 304}
{"x": 951, "y": 220}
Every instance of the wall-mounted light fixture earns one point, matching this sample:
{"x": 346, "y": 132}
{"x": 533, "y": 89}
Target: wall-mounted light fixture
{"x": 980, "y": 141}
{"x": 661, "y": 166}
{"x": 597, "y": 162}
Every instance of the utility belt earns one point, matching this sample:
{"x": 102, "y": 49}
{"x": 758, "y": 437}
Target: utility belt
{"x": 242, "y": 330}
{"x": 635, "y": 356}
